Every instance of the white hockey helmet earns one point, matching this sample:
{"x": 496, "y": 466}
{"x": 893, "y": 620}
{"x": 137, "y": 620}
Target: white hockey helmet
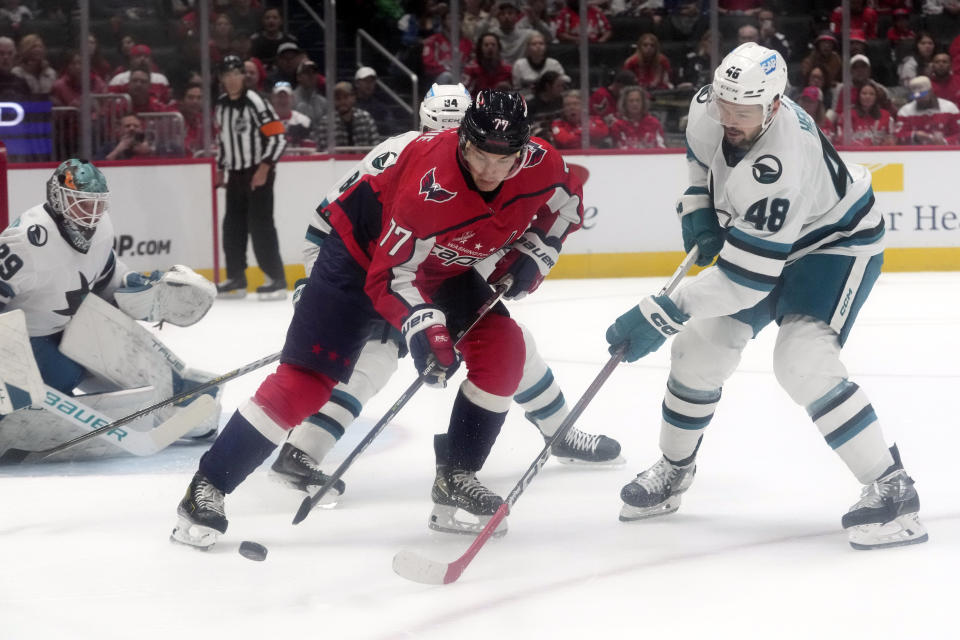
{"x": 750, "y": 75}
{"x": 443, "y": 106}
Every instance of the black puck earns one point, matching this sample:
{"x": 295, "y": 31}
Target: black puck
{"x": 253, "y": 551}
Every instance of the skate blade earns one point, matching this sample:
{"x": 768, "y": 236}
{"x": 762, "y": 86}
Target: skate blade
{"x": 194, "y": 535}
{"x": 272, "y": 295}
{"x": 900, "y": 531}
{"x": 329, "y": 501}
{"x": 630, "y": 513}
{"x": 619, "y": 461}
{"x": 234, "y": 294}
{"x": 446, "y": 519}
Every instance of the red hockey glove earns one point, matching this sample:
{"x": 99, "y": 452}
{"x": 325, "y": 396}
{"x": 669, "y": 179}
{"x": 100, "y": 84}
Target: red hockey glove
{"x": 529, "y": 261}
{"x": 429, "y": 341}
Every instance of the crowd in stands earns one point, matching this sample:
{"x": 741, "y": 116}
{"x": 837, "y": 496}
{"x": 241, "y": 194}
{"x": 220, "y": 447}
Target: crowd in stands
{"x": 648, "y": 57}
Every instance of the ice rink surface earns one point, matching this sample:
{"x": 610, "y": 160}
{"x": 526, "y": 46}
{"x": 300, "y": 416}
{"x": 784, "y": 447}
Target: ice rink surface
{"x": 756, "y": 550}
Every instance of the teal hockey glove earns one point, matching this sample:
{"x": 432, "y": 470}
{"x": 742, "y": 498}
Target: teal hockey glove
{"x": 646, "y": 327}
{"x": 699, "y": 224}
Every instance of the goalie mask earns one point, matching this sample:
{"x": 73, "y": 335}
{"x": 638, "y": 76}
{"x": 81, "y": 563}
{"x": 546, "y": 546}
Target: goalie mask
{"x": 78, "y": 197}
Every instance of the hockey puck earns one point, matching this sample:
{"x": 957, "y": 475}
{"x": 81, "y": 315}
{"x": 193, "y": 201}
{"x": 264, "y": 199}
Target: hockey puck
{"x": 253, "y": 551}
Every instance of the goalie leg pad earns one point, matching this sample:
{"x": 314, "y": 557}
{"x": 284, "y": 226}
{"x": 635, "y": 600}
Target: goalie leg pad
{"x": 20, "y": 381}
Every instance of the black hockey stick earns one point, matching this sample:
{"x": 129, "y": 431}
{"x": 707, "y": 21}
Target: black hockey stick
{"x": 21, "y": 455}
{"x": 311, "y": 501}
{"x": 415, "y": 567}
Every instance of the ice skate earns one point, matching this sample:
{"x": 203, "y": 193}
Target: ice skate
{"x": 272, "y": 290}
{"x": 299, "y": 471}
{"x": 580, "y": 448}
{"x": 656, "y": 491}
{"x": 462, "y": 504}
{"x": 201, "y": 519}
{"x": 886, "y": 514}
{"x": 232, "y": 288}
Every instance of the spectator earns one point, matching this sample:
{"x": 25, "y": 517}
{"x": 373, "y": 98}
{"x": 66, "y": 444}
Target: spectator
{"x": 369, "y": 97}
{"x": 67, "y": 91}
{"x": 919, "y": 61}
{"x": 955, "y": 54}
{"x": 603, "y": 101}
{"x": 547, "y": 103}
{"x": 33, "y": 67}
{"x": 142, "y": 99}
{"x": 900, "y": 29}
{"x": 747, "y": 33}
{"x": 488, "y": 71}
{"x": 12, "y": 86}
{"x": 567, "y": 130}
{"x": 288, "y": 59}
{"x": 687, "y": 18}
{"x": 296, "y": 125}
{"x": 567, "y": 24}
{"x": 13, "y": 13}
{"x": 649, "y": 65}
{"x": 244, "y": 15}
{"x": 475, "y": 20}
{"x": 870, "y": 125}
{"x": 927, "y": 119}
{"x": 354, "y": 127}
{"x": 99, "y": 65}
{"x": 858, "y": 43}
{"x": 253, "y": 75}
{"x": 770, "y": 37}
{"x": 513, "y": 41}
{"x": 945, "y": 83}
{"x": 824, "y": 55}
{"x": 425, "y": 18}
{"x": 133, "y": 141}
{"x": 221, "y": 38}
{"x": 816, "y": 77}
{"x": 697, "y": 69}
{"x": 266, "y": 42}
{"x": 636, "y": 128}
{"x": 437, "y": 55}
{"x": 191, "y": 108}
{"x": 535, "y": 17}
{"x": 862, "y": 17}
{"x": 811, "y": 100}
{"x": 859, "y": 76}
{"x": 124, "y": 45}
{"x": 528, "y": 69}
{"x": 306, "y": 97}
{"x": 141, "y": 57}
{"x": 940, "y": 7}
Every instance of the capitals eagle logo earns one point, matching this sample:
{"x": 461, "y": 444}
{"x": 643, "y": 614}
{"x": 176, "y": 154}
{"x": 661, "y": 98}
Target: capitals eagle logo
{"x": 430, "y": 188}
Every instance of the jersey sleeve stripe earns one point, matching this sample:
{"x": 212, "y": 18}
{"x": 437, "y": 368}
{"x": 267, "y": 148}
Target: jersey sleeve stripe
{"x": 758, "y": 246}
{"x": 846, "y": 224}
{"x": 692, "y": 157}
{"x": 316, "y": 236}
{"x": 402, "y": 278}
{"x": 696, "y": 191}
{"x": 861, "y": 238}
{"x": 465, "y": 223}
{"x": 745, "y": 278}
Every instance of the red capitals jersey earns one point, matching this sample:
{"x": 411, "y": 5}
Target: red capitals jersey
{"x": 420, "y": 222}
{"x": 646, "y": 133}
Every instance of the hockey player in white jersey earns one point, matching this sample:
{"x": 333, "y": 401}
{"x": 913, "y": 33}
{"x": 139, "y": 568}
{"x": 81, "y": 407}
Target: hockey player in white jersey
{"x": 51, "y": 259}
{"x": 297, "y": 464}
{"x": 802, "y": 246}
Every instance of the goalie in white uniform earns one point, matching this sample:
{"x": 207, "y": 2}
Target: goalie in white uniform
{"x": 442, "y": 108}
{"x": 803, "y": 246}
{"x": 51, "y": 258}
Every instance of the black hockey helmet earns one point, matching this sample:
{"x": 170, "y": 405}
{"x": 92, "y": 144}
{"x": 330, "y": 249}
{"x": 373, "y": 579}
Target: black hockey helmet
{"x": 231, "y": 63}
{"x": 496, "y": 122}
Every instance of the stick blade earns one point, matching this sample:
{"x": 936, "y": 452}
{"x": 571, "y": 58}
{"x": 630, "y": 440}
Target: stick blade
{"x": 416, "y": 568}
{"x": 303, "y": 511}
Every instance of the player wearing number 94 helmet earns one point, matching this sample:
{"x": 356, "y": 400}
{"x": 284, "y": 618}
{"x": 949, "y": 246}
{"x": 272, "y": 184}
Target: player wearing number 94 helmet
{"x": 798, "y": 241}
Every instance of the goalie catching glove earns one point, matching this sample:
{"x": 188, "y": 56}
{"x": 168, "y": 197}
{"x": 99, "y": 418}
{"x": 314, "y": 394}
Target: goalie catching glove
{"x": 429, "y": 341}
{"x": 180, "y": 296}
{"x": 529, "y": 261}
{"x": 699, "y": 224}
{"x": 646, "y": 327}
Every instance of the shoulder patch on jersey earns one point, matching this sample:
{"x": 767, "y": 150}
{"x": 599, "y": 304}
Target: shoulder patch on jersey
{"x": 432, "y": 189}
{"x": 383, "y": 160}
{"x": 767, "y": 169}
{"x": 534, "y": 155}
{"x": 704, "y": 94}
{"x": 37, "y": 235}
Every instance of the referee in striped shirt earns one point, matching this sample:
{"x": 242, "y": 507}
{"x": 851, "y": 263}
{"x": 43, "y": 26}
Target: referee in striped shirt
{"x": 250, "y": 140}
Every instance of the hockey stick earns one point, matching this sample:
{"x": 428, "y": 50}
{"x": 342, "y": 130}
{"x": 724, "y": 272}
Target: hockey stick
{"x": 21, "y": 455}
{"x": 413, "y": 566}
{"x": 311, "y": 501}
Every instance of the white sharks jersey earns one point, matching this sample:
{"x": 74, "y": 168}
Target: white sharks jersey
{"x": 375, "y": 162}
{"x": 42, "y": 274}
{"x": 788, "y": 196}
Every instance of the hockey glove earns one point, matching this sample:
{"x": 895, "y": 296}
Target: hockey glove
{"x": 529, "y": 260}
{"x": 646, "y": 327}
{"x": 699, "y": 225}
{"x": 298, "y": 287}
{"x": 429, "y": 342}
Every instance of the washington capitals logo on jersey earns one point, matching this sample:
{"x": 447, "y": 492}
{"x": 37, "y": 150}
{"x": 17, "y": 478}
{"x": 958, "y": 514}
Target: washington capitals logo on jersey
{"x": 767, "y": 169}
{"x": 535, "y": 155}
{"x": 430, "y": 188}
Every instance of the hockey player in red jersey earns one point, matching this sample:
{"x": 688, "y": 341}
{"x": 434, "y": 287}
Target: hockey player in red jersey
{"x": 403, "y": 246}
